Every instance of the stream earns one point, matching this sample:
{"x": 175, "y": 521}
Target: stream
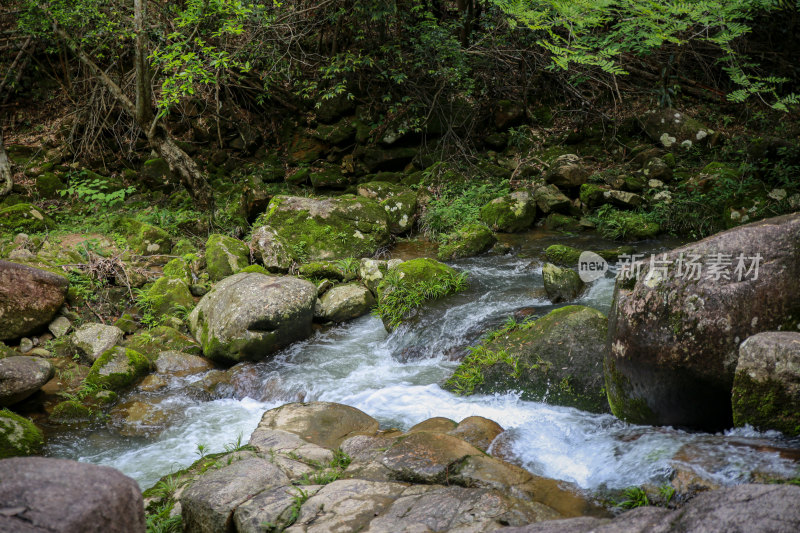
{"x": 395, "y": 378}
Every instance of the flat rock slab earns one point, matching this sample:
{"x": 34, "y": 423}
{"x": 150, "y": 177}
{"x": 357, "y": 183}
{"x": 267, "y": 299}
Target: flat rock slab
{"x": 44, "y": 495}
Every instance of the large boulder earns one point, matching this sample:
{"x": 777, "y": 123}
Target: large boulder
{"x": 510, "y": 213}
{"x": 21, "y": 376}
{"x": 18, "y": 436}
{"x": 344, "y": 302}
{"x": 328, "y": 228}
{"x": 556, "y": 359}
{"x": 94, "y": 339}
{"x": 672, "y": 129}
{"x": 674, "y": 340}
{"x": 249, "y": 316}
{"x": 325, "y": 424}
{"x": 42, "y": 495}
{"x": 225, "y": 256}
{"x": 766, "y": 386}
{"x": 567, "y": 171}
{"x": 561, "y": 284}
{"x": 29, "y": 298}
{"x": 469, "y": 240}
{"x": 762, "y": 508}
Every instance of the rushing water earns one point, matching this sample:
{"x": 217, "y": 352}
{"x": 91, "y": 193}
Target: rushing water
{"x": 396, "y": 378}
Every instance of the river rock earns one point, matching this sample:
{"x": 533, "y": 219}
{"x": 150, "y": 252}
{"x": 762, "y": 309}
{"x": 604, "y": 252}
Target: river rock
{"x": 118, "y": 368}
{"x": 43, "y": 495}
{"x": 567, "y": 171}
{"x": 207, "y": 506}
{"x": 511, "y": 213}
{"x": 425, "y": 457}
{"x": 344, "y": 303}
{"x": 672, "y": 129}
{"x": 225, "y": 256}
{"x": 437, "y": 424}
{"x": 60, "y": 326}
{"x": 766, "y": 385}
{"x": 94, "y": 339}
{"x": 29, "y": 298}
{"x": 623, "y": 199}
{"x": 249, "y": 316}
{"x": 478, "y": 431}
{"x": 557, "y": 359}
{"x": 329, "y": 228}
{"x": 325, "y": 424}
{"x": 181, "y": 364}
{"x": 272, "y": 506}
{"x": 139, "y": 418}
{"x": 18, "y": 436}
{"x": 745, "y": 508}
{"x": 550, "y": 199}
{"x": 271, "y": 250}
{"x": 399, "y": 202}
{"x": 674, "y": 340}
{"x": 561, "y": 284}
{"x": 21, "y": 376}
{"x": 372, "y": 272}
{"x": 469, "y": 240}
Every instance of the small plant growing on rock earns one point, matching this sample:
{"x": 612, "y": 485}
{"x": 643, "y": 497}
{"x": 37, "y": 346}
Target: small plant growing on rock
{"x": 633, "y": 497}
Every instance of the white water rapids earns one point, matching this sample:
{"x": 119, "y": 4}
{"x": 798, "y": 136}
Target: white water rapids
{"x": 395, "y": 378}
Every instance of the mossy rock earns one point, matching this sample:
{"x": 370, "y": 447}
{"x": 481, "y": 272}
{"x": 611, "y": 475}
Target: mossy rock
{"x": 183, "y": 247}
{"x": 304, "y": 149}
{"x": 168, "y": 294}
{"x": 329, "y": 177}
{"x": 333, "y": 134}
{"x": 376, "y": 159}
{"x": 592, "y": 195}
{"x": 127, "y": 323}
{"x": 24, "y": 217}
{"x": 48, "y": 185}
{"x": 178, "y": 268}
{"x": 328, "y": 228}
{"x": 143, "y": 238}
{"x": 225, "y": 256}
{"x": 561, "y": 284}
{"x": 161, "y": 339}
{"x": 559, "y": 222}
{"x": 557, "y": 359}
{"x": 118, "y": 368}
{"x": 563, "y": 255}
{"x": 157, "y": 175}
{"x": 511, "y": 213}
{"x": 472, "y": 239}
{"x": 298, "y": 177}
{"x": 258, "y": 269}
{"x": 326, "y": 269}
{"x": 70, "y": 412}
{"x": 18, "y": 436}
{"x": 721, "y": 171}
{"x": 401, "y": 210}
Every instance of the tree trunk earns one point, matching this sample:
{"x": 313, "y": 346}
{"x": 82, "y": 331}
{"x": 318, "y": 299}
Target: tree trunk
{"x": 181, "y": 165}
{"x": 144, "y": 104}
{"x": 5, "y": 170}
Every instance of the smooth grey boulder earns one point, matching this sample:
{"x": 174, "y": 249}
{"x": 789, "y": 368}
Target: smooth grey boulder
{"x": 94, "y": 339}
{"x": 208, "y": 504}
{"x": 766, "y": 386}
{"x": 29, "y": 298}
{"x": 21, "y": 376}
{"x": 567, "y": 171}
{"x": 674, "y": 335}
{"x": 181, "y": 364}
{"x": 43, "y": 495}
{"x": 344, "y": 303}
{"x": 249, "y": 316}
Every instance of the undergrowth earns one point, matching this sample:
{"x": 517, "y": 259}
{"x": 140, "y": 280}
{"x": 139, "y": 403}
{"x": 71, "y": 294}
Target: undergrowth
{"x": 400, "y": 298}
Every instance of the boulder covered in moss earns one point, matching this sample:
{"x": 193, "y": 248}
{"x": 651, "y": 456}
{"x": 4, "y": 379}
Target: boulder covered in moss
{"x": 144, "y": 238}
{"x": 29, "y": 298}
{"x": 24, "y": 217}
{"x": 328, "y": 228}
{"x": 94, "y": 339}
{"x": 250, "y": 316}
{"x": 18, "y": 436}
{"x": 674, "y": 336}
{"x": 118, "y": 368}
{"x": 510, "y": 213}
{"x": 269, "y": 248}
{"x": 400, "y": 202}
{"x": 405, "y": 287}
{"x": 168, "y": 295}
{"x": 48, "y": 185}
{"x": 766, "y": 385}
{"x": 157, "y": 175}
{"x": 559, "y": 222}
{"x": 70, "y": 412}
{"x": 563, "y": 255}
{"x": 225, "y": 256}
{"x": 344, "y": 302}
{"x": 556, "y": 359}
{"x": 162, "y": 338}
{"x": 469, "y": 240}
{"x": 561, "y": 284}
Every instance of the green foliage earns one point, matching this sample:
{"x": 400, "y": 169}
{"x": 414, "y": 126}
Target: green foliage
{"x": 400, "y": 298}
{"x": 349, "y": 265}
{"x": 458, "y": 203}
{"x": 94, "y": 190}
{"x": 615, "y": 224}
{"x": 470, "y": 373}
{"x": 159, "y": 520}
{"x": 633, "y": 497}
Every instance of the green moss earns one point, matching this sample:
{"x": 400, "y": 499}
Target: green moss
{"x": 178, "y": 268}
{"x": 620, "y": 400}
{"x": 18, "y": 435}
{"x": 162, "y": 338}
{"x": 591, "y": 194}
{"x": 70, "y": 412}
{"x": 765, "y": 405}
{"x": 510, "y": 213}
{"x": 183, "y": 247}
{"x": 117, "y": 368}
{"x": 256, "y": 269}
{"x": 143, "y": 238}
{"x": 48, "y": 185}
{"x": 24, "y": 217}
{"x": 559, "y": 222}
{"x": 627, "y": 225}
{"x": 225, "y": 256}
{"x": 324, "y": 269}
{"x": 168, "y": 295}
{"x": 470, "y": 373}
{"x": 721, "y": 170}
{"x": 470, "y": 240}
{"x": 562, "y": 255}
{"x": 127, "y": 323}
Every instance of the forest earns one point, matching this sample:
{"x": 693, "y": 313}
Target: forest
{"x": 400, "y": 265}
